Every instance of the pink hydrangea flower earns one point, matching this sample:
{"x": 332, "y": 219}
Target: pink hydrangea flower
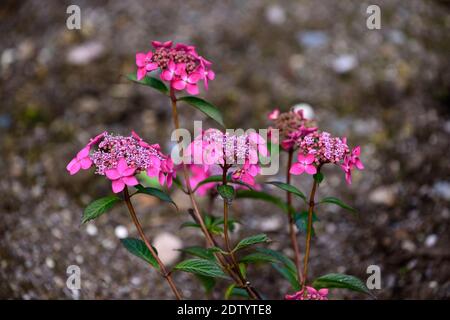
{"x": 188, "y": 82}
{"x": 292, "y": 125}
{"x": 81, "y": 161}
{"x": 304, "y": 164}
{"x": 167, "y": 173}
{"x": 354, "y": 158}
{"x": 309, "y": 294}
{"x": 111, "y": 150}
{"x": 180, "y": 65}
{"x": 198, "y": 174}
{"x": 239, "y": 153}
{"x": 172, "y": 71}
{"x": 247, "y": 173}
{"x": 121, "y": 176}
{"x": 144, "y": 64}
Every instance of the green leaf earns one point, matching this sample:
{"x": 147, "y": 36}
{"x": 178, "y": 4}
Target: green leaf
{"x": 290, "y": 265}
{"x": 289, "y": 188}
{"x": 260, "y": 195}
{"x": 98, "y": 207}
{"x": 139, "y": 249}
{"x": 208, "y": 283}
{"x": 206, "y": 107}
{"x": 336, "y": 201}
{"x": 226, "y": 191}
{"x": 189, "y": 224}
{"x": 258, "y": 257}
{"x": 199, "y": 252}
{"x": 150, "y": 82}
{"x": 318, "y": 177}
{"x": 236, "y": 292}
{"x": 259, "y": 238}
{"x": 301, "y": 220}
{"x": 202, "y": 267}
{"x": 288, "y": 275}
{"x": 337, "y": 280}
{"x": 155, "y": 192}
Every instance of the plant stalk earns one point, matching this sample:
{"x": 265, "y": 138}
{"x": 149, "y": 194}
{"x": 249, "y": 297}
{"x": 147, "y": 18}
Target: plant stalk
{"x": 291, "y": 219}
{"x": 196, "y": 212}
{"x": 309, "y": 231}
{"x": 162, "y": 267}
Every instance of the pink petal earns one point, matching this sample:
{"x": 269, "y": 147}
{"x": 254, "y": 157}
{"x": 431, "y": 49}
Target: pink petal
{"x": 323, "y": 292}
{"x": 297, "y": 169}
{"x": 141, "y": 73}
{"x": 310, "y": 169}
{"x": 83, "y": 152}
{"x": 167, "y": 75}
{"x": 112, "y": 174}
{"x": 274, "y": 114}
{"x": 74, "y": 168}
{"x": 71, "y": 163}
{"x": 140, "y": 59}
{"x": 128, "y": 172}
{"x": 161, "y": 178}
{"x": 253, "y": 170}
{"x": 85, "y": 163}
{"x": 211, "y": 75}
{"x": 169, "y": 180}
{"x": 356, "y": 151}
{"x": 180, "y": 69}
{"x": 178, "y": 84}
{"x": 151, "y": 66}
{"x": 122, "y": 166}
{"x": 309, "y": 159}
{"x": 301, "y": 158}
{"x": 248, "y": 179}
{"x": 359, "y": 164}
{"x": 192, "y": 89}
{"x": 194, "y": 77}
{"x": 118, "y": 186}
{"x": 171, "y": 66}
{"x": 130, "y": 181}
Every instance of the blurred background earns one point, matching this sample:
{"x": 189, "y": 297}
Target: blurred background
{"x": 387, "y": 90}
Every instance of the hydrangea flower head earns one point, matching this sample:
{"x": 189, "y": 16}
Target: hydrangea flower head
{"x": 180, "y": 65}
{"x": 309, "y": 293}
{"x": 292, "y": 125}
{"x": 120, "y": 158}
{"x": 236, "y": 151}
{"x": 319, "y": 147}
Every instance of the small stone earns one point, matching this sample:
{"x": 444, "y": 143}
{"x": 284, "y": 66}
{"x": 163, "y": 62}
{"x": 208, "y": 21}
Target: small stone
{"x": 167, "y": 245}
{"x": 344, "y": 63}
{"x": 121, "y": 232}
{"x": 312, "y": 38}
{"x": 85, "y": 53}
{"x": 408, "y": 245}
{"x": 383, "y": 195}
{"x": 49, "y": 262}
{"x": 91, "y": 229}
{"x": 442, "y": 189}
{"x": 308, "y": 111}
{"x": 431, "y": 240}
{"x": 433, "y": 284}
{"x": 275, "y": 14}
{"x": 270, "y": 224}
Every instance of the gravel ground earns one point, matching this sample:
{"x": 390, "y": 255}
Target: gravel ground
{"x": 387, "y": 90}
